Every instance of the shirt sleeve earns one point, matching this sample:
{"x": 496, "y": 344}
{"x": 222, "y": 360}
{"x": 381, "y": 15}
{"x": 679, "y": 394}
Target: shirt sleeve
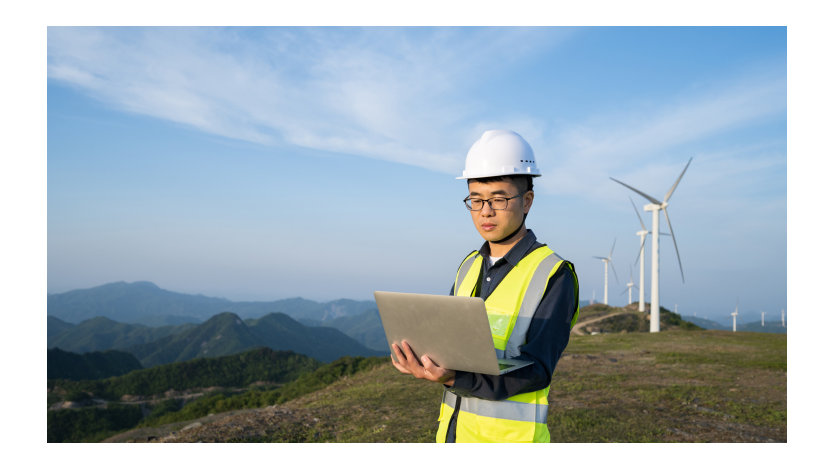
{"x": 547, "y": 338}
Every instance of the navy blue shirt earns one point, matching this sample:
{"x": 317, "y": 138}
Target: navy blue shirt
{"x": 547, "y": 336}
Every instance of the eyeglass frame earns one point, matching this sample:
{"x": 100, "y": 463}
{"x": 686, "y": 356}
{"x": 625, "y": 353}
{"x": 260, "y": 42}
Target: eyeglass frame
{"x": 489, "y": 202}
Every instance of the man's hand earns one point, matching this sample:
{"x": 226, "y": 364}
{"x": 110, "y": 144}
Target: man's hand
{"x": 424, "y": 368}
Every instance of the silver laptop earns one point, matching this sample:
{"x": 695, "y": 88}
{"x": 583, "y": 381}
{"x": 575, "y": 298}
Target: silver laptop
{"x": 453, "y": 331}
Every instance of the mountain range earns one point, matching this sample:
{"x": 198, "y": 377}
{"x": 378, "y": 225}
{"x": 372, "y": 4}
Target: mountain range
{"x": 221, "y": 335}
{"x": 146, "y": 313}
{"x": 147, "y": 304}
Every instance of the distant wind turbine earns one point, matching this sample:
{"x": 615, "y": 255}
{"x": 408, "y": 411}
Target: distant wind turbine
{"x": 641, "y": 307}
{"x": 763, "y": 318}
{"x": 655, "y": 207}
{"x": 734, "y": 313}
{"x": 629, "y": 286}
{"x": 783, "y": 318}
{"x": 606, "y": 261}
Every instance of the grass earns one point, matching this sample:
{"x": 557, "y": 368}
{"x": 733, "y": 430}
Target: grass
{"x": 673, "y": 386}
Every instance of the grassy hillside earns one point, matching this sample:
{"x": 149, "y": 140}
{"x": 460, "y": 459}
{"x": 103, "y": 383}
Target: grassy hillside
{"x": 601, "y": 318}
{"x": 88, "y": 410}
{"x": 673, "y": 386}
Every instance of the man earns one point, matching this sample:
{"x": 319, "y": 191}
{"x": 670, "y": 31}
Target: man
{"x": 531, "y": 298}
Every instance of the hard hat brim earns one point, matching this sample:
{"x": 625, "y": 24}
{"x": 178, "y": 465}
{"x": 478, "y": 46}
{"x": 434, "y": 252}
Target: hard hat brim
{"x": 534, "y": 172}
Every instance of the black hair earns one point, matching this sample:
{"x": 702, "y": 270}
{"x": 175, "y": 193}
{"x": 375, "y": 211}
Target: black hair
{"x": 523, "y": 183}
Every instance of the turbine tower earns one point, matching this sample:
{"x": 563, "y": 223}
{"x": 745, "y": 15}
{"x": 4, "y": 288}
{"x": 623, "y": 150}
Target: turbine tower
{"x": 783, "y": 318}
{"x": 628, "y": 287}
{"x": 606, "y": 261}
{"x": 763, "y": 318}
{"x": 655, "y": 207}
{"x": 734, "y": 313}
{"x": 641, "y": 307}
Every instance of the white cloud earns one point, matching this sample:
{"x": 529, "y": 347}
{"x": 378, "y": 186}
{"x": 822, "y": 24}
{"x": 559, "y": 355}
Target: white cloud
{"x": 386, "y": 93}
{"x": 644, "y": 147}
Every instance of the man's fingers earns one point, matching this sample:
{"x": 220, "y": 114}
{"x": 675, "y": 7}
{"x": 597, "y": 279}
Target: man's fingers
{"x": 428, "y": 363}
{"x": 399, "y": 366}
{"x": 409, "y": 354}
{"x": 398, "y": 352}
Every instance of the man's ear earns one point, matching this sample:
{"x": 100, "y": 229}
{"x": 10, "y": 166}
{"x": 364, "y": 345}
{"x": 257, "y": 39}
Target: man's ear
{"x": 528, "y": 200}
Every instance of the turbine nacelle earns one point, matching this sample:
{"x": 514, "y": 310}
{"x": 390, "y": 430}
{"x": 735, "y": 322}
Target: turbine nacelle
{"x": 655, "y": 207}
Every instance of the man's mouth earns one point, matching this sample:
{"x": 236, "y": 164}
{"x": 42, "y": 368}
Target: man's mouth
{"x": 488, "y": 227}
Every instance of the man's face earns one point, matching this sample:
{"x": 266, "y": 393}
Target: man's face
{"x": 493, "y": 224}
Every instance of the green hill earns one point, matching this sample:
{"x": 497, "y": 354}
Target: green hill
{"x": 365, "y": 328}
{"x": 237, "y": 370}
{"x": 101, "y": 334}
{"x": 95, "y": 365}
{"x": 56, "y": 326}
{"x": 221, "y": 335}
{"x": 324, "y": 343}
{"x": 89, "y": 410}
{"x": 226, "y": 334}
{"x": 601, "y": 318}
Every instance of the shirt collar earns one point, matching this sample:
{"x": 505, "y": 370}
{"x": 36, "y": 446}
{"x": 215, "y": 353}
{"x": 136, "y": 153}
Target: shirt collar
{"x": 517, "y": 252}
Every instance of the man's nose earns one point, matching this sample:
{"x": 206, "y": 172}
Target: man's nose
{"x": 487, "y": 210}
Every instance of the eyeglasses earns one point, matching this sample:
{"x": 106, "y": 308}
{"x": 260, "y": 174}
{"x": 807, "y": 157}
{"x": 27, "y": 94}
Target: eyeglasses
{"x": 495, "y": 203}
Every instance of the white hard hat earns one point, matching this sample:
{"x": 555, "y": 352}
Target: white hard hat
{"x": 499, "y": 153}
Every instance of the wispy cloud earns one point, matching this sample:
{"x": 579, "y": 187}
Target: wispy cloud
{"x": 386, "y": 93}
{"x": 647, "y": 145}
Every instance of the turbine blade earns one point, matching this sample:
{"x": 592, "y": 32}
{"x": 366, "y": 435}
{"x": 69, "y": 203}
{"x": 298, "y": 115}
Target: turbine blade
{"x": 637, "y": 212}
{"x": 642, "y": 244}
{"x": 669, "y": 222}
{"x": 599, "y": 257}
{"x": 651, "y": 199}
{"x": 672, "y": 189}
{"x": 610, "y": 253}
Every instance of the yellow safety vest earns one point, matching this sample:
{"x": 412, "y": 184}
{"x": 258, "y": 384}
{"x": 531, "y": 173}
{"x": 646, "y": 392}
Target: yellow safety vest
{"x": 510, "y": 308}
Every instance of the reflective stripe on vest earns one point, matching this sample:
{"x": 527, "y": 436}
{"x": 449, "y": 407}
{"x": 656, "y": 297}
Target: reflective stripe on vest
{"x": 510, "y": 308}
{"x": 498, "y": 409}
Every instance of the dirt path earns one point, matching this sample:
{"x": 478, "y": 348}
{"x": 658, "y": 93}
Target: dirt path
{"x": 576, "y": 328}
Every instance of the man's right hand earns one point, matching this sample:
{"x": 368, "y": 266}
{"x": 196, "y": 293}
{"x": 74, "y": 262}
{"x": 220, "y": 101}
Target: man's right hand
{"x": 407, "y": 363}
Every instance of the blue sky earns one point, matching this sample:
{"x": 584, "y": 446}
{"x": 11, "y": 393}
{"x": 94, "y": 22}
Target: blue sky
{"x": 266, "y": 163}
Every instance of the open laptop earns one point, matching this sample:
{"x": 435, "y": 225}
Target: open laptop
{"x": 454, "y": 331}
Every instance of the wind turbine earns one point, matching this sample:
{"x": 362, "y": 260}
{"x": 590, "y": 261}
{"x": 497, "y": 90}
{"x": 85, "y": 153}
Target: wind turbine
{"x": 655, "y": 207}
{"x": 783, "y": 318}
{"x": 734, "y": 314}
{"x": 606, "y": 261}
{"x": 763, "y": 318}
{"x": 629, "y": 286}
